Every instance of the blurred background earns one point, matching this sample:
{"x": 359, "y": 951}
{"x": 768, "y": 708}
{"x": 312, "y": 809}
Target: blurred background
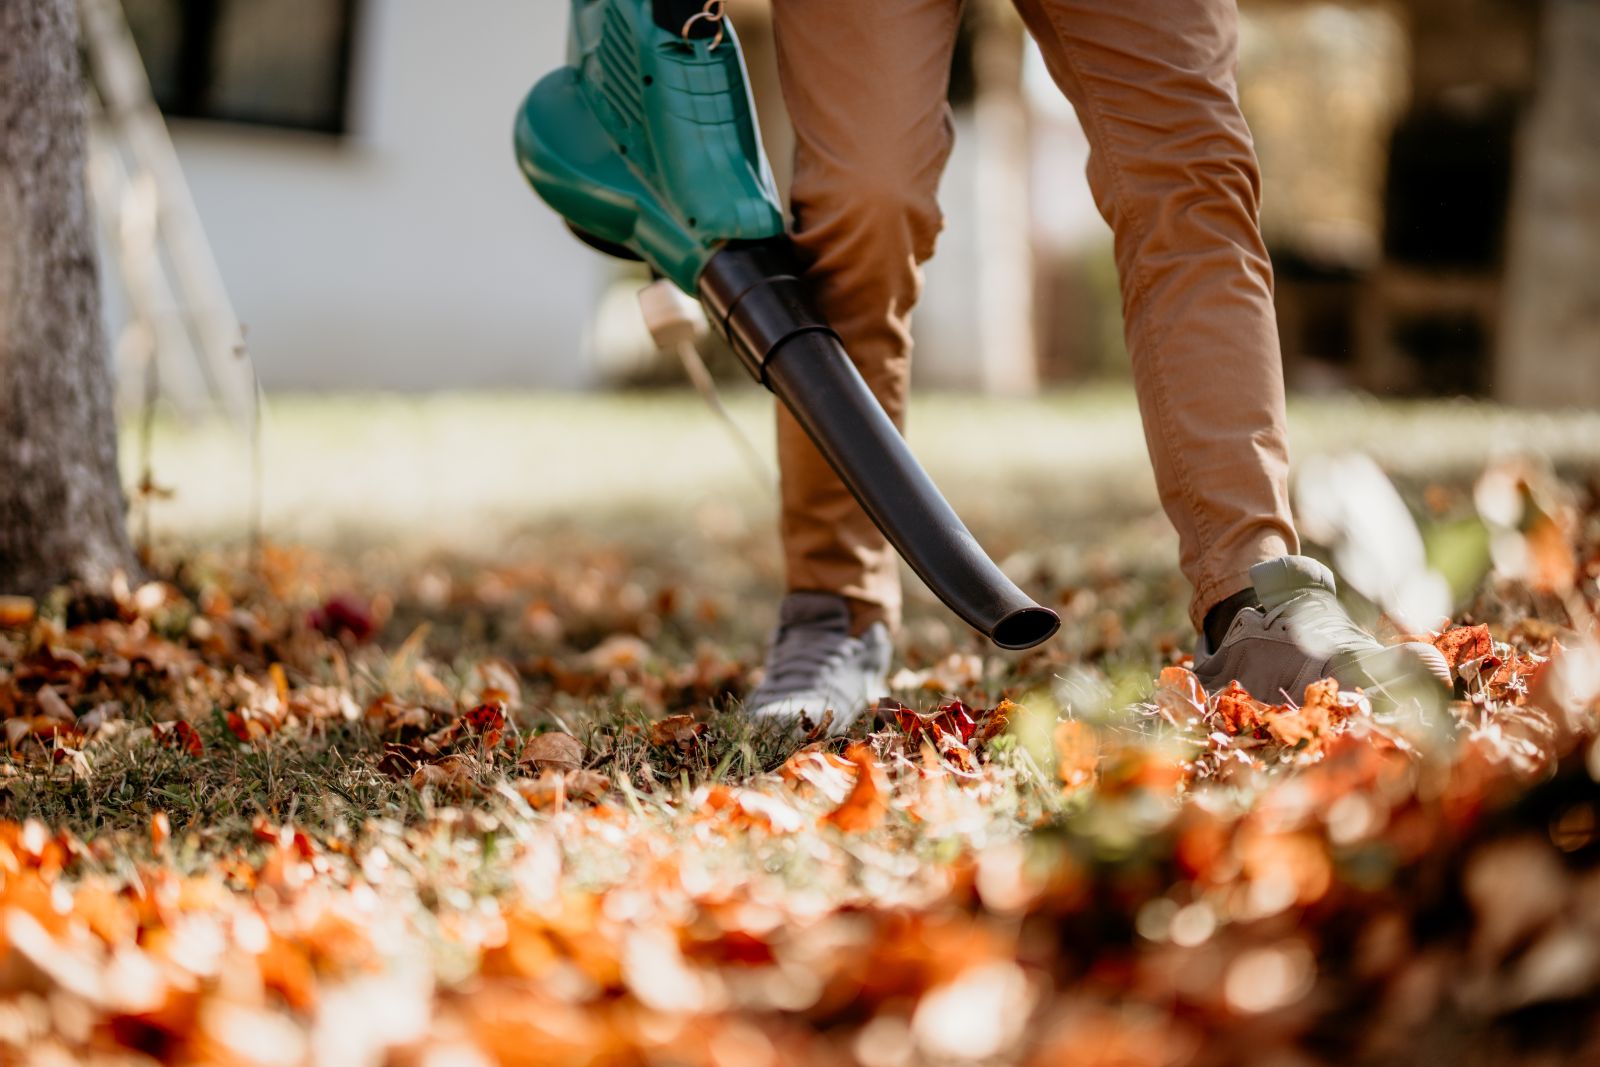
{"x": 1424, "y": 161}
{"x": 1432, "y": 202}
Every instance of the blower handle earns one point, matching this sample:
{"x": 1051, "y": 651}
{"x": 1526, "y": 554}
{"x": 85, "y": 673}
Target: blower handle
{"x": 755, "y": 297}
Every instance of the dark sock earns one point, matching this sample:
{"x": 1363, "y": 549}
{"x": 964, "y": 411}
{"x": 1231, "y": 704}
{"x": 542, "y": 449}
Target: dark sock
{"x": 1221, "y": 616}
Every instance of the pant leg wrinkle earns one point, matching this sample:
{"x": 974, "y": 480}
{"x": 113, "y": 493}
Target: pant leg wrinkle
{"x": 1195, "y": 277}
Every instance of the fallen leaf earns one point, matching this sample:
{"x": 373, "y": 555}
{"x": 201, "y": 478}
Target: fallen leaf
{"x": 1239, "y": 712}
{"x": 1464, "y": 644}
{"x": 619, "y": 652}
{"x": 1552, "y": 564}
{"x": 583, "y": 784}
{"x": 994, "y": 722}
{"x": 488, "y": 721}
{"x": 453, "y": 774}
{"x": 179, "y": 735}
{"x": 1179, "y": 695}
{"x": 680, "y": 731}
{"x": 344, "y": 613}
{"x": 821, "y": 769}
{"x": 867, "y": 802}
{"x": 1077, "y": 753}
{"x": 552, "y": 751}
{"x": 954, "y": 719}
{"x": 17, "y": 611}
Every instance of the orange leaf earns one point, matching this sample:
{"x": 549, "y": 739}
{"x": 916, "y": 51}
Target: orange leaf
{"x": 1463, "y": 644}
{"x": 823, "y": 770}
{"x": 1077, "y": 753}
{"x": 16, "y": 611}
{"x": 867, "y": 803}
{"x": 1323, "y": 708}
{"x": 280, "y": 683}
{"x": 993, "y": 723}
{"x": 1552, "y": 565}
{"x": 1239, "y": 712}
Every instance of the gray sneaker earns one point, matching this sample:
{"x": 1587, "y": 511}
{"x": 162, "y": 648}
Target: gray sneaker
{"x": 814, "y": 666}
{"x": 1301, "y": 633}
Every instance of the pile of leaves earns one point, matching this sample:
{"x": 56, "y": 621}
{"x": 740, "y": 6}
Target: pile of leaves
{"x": 252, "y": 817}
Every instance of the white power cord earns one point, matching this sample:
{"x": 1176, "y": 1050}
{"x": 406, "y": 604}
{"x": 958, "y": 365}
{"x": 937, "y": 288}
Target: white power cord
{"x": 676, "y": 322}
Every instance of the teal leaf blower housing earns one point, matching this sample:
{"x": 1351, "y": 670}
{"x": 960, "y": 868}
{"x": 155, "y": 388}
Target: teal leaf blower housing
{"x": 647, "y": 139}
{"x": 646, "y": 144}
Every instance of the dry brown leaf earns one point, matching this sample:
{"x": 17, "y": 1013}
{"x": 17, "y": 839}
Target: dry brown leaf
{"x": 680, "y": 731}
{"x": 583, "y": 784}
{"x": 453, "y": 774}
{"x": 547, "y": 790}
{"x": 553, "y": 788}
{"x": 53, "y": 707}
{"x": 619, "y": 652}
{"x": 1180, "y": 695}
{"x": 552, "y": 751}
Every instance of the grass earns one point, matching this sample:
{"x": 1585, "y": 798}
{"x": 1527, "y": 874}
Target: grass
{"x": 377, "y": 877}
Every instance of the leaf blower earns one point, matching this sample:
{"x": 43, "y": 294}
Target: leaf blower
{"x": 646, "y": 144}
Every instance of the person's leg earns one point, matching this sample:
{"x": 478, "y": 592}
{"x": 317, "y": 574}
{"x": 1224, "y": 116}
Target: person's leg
{"x": 1173, "y": 170}
{"x": 865, "y": 83}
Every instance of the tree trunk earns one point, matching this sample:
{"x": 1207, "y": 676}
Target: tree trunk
{"x": 61, "y": 503}
{"x": 1550, "y": 349}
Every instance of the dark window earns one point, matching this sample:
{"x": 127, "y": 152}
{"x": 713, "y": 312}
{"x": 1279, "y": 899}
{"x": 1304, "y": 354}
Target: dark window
{"x": 1449, "y": 186}
{"x": 264, "y": 62}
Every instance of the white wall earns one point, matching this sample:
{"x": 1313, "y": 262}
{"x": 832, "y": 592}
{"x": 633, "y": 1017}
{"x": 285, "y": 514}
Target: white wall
{"x": 410, "y": 254}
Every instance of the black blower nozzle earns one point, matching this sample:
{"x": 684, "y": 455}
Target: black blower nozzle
{"x": 756, "y": 299}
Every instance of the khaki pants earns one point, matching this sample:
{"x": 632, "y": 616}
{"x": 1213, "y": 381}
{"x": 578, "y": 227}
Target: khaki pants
{"x": 1171, "y": 168}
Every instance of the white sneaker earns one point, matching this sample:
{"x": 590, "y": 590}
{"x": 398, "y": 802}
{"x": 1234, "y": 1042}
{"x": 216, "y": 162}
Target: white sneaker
{"x": 815, "y": 666}
{"x": 1301, "y": 634}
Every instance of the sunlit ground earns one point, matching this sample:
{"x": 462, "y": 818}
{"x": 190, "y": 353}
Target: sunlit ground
{"x": 464, "y": 470}
{"x": 450, "y": 769}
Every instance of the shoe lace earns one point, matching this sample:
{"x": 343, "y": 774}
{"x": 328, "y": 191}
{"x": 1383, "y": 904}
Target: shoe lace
{"x": 1315, "y": 618}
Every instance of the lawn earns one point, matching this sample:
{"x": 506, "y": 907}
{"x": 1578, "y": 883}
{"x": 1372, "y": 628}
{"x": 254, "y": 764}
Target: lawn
{"x": 425, "y": 748}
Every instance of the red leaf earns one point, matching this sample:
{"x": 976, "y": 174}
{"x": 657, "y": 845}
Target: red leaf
{"x": 344, "y": 613}
{"x": 181, "y": 736}
{"x": 954, "y": 719}
{"x": 489, "y": 720}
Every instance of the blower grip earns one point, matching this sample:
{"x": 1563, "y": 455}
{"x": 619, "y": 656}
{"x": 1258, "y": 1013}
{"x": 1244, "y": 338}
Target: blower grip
{"x": 755, "y": 297}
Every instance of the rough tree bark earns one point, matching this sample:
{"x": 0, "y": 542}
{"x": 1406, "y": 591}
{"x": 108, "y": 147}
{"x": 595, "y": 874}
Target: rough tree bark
{"x": 61, "y": 502}
{"x": 1550, "y": 347}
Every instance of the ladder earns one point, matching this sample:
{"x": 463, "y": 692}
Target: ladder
{"x": 182, "y": 340}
